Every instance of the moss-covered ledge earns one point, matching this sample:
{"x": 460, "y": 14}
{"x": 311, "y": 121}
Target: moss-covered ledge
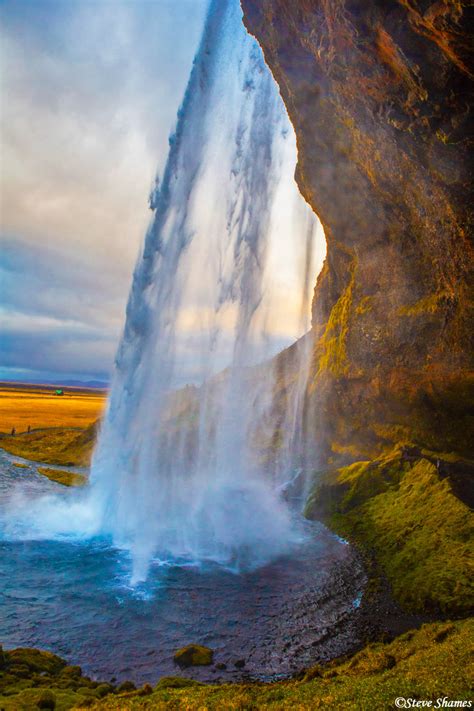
{"x": 403, "y": 509}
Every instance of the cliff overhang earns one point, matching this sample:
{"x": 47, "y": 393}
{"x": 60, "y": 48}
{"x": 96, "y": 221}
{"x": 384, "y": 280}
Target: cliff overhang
{"x": 378, "y": 94}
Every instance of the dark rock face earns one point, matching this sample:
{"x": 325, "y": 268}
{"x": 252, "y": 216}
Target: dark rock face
{"x": 378, "y": 93}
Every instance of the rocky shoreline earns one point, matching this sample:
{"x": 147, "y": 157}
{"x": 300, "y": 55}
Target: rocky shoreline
{"x": 418, "y": 663}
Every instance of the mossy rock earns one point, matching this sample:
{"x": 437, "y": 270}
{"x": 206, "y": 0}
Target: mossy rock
{"x": 175, "y": 682}
{"x": 87, "y": 691}
{"x": 35, "y": 660}
{"x": 103, "y": 690}
{"x": 145, "y": 690}
{"x": 47, "y": 700}
{"x": 403, "y": 508}
{"x": 21, "y": 671}
{"x": 194, "y": 655}
{"x": 73, "y": 671}
{"x": 126, "y": 686}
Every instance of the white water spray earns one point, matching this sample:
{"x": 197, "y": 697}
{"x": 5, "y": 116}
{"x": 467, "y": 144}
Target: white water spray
{"x": 189, "y": 484}
{"x": 196, "y": 473}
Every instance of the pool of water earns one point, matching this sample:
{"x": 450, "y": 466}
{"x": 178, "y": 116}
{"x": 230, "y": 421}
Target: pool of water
{"x": 74, "y": 598}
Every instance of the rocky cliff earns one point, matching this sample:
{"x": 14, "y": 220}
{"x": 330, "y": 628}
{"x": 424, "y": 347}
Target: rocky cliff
{"x": 378, "y": 93}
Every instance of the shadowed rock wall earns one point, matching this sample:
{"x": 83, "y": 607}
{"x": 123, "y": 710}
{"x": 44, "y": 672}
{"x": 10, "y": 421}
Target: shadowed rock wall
{"x": 378, "y": 93}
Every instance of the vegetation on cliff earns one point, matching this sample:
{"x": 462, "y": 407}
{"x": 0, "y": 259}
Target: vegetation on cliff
{"x": 403, "y": 509}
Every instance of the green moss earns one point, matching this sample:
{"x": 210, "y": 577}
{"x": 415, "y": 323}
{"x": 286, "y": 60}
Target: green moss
{"x": 28, "y": 676}
{"x": 27, "y": 700}
{"x": 62, "y": 477}
{"x": 333, "y": 341}
{"x": 408, "y": 516}
{"x": 175, "y": 682}
{"x": 429, "y": 663}
{"x": 366, "y": 479}
{"x": 423, "y": 537}
{"x": 428, "y": 305}
{"x": 364, "y": 306}
{"x": 194, "y": 655}
{"x": 35, "y": 660}
{"x": 104, "y": 689}
{"x": 47, "y": 700}
{"x": 338, "y": 491}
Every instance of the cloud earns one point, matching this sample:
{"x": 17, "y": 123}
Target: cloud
{"x": 90, "y": 93}
{"x": 45, "y": 281}
{"x": 59, "y": 314}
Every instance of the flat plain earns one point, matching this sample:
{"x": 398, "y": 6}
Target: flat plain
{"x": 38, "y": 407}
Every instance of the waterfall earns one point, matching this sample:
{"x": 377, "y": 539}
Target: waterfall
{"x": 181, "y": 474}
{"x": 195, "y": 472}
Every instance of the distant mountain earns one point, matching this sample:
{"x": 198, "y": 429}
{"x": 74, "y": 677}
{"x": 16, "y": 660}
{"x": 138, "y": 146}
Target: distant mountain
{"x": 86, "y": 384}
{"x": 103, "y": 384}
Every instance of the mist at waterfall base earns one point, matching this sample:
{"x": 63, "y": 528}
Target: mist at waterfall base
{"x": 191, "y": 485}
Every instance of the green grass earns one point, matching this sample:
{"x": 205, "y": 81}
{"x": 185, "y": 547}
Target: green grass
{"x": 430, "y": 663}
{"x": 56, "y": 445}
{"x": 420, "y": 533}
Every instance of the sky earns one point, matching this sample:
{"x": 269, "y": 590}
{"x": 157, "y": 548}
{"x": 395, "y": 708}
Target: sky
{"x": 89, "y": 91}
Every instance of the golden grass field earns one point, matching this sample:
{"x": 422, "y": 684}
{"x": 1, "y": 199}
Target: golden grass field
{"x": 23, "y": 406}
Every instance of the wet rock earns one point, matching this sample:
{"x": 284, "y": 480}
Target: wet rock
{"x": 387, "y": 329}
{"x": 194, "y": 655}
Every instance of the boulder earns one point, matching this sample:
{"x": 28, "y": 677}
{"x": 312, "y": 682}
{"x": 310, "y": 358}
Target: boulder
{"x": 194, "y": 655}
